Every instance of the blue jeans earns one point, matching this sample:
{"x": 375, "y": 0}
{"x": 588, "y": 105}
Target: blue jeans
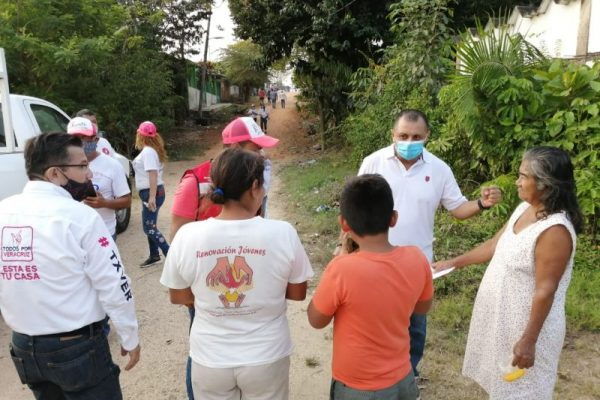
{"x": 405, "y": 389}
{"x": 156, "y": 239}
{"x": 188, "y": 367}
{"x": 72, "y": 367}
{"x": 417, "y": 332}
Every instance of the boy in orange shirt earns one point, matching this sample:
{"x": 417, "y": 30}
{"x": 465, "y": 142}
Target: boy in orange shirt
{"x": 371, "y": 295}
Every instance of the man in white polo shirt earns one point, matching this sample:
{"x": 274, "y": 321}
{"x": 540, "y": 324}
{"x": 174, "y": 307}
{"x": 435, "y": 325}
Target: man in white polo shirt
{"x": 112, "y": 190}
{"x": 420, "y": 182}
{"x": 60, "y": 274}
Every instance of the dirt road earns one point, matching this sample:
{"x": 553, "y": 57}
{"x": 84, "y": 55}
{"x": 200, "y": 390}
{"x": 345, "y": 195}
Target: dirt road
{"x": 160, "y": 374}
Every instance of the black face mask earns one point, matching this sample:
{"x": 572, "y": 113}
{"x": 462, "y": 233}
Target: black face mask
{"x": 79, "y": 191}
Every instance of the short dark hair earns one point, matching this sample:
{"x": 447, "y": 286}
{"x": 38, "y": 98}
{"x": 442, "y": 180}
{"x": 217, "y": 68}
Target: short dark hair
{"x": 412, "y": 115}
{"x": 552, "y": 170}
{"x": 233, "y": 172}
{"x": 367, "y": 204}
{"x": 46, "y": 150}
{"x": 85, "y": 112}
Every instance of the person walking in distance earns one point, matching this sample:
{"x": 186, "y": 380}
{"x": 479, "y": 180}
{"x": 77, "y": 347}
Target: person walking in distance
{"x": 273, "y": 97}
{"x": 264, "y": 117}
{"x": 65, "y": 276}
{"x": 282, "y": 97}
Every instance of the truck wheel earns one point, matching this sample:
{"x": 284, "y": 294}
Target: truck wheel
{"x": 123, "y": 215}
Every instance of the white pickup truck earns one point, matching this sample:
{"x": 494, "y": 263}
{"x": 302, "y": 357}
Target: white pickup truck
{"x": 27, "y": 117}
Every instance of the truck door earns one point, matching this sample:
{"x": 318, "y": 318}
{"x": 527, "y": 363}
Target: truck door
{"x": 12, "y": 163}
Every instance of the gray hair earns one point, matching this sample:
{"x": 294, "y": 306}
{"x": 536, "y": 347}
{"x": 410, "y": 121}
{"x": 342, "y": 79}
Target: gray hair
{"x": 552, "y": 170}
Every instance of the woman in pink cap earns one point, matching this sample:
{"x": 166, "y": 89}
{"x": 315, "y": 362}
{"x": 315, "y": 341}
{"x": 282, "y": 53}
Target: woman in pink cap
{"x": 148, "y": 167}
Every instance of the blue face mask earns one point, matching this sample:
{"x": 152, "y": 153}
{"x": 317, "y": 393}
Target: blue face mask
{"x": 89, "y": 147}
{"x": 409, "y": 150}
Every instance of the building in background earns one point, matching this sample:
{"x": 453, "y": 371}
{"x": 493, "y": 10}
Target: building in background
{"x": 560, "y": 28}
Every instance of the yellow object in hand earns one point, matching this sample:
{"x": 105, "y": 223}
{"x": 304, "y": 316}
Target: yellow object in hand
{"x": 510, "y": 373}
{"x": 514, "y": 375}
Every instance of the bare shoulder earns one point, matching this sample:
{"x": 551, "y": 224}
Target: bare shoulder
{"x": 555, "y": 240}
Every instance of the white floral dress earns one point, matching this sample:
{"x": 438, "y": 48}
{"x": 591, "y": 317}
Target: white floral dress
{"x": 502, "y": 310}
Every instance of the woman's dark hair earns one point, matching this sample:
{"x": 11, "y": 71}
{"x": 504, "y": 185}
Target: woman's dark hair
{"x": 233, "y": 172}
{"x": 367, "y": 204}
{"x": 553, "y": 173}
{"x": 47, "y": 150}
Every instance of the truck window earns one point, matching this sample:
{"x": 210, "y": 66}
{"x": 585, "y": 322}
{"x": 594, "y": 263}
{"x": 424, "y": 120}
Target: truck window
{"x": 49, "y": 119}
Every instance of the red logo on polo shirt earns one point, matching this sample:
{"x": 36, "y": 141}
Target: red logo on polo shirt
{"x": 103, "y": 241}
{"x": 427, "y": 179}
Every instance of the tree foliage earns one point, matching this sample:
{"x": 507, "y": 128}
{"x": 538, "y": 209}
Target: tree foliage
{"x": 518, "y": 100}
{"x": 413, "y": 70}
{"x": 89, "y": 54}
{"x": 334, "y": 29}
{"x": 325, "y": 41}
{"x": 243, "y": 64}
{"x": 181, "y": 27}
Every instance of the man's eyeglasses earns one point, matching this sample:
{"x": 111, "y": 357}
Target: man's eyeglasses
{"x": 81, "y": 166}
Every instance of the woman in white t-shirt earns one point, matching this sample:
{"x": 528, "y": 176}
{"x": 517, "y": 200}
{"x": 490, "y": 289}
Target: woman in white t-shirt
{"x": 238, "y": 270}
{"x": 148, "y": 167}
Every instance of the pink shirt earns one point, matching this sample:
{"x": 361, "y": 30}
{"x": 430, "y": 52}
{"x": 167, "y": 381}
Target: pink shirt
{"x": 186, "y": 202}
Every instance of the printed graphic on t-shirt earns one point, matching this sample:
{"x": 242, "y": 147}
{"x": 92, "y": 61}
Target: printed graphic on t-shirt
{"x": 230, "y": 280}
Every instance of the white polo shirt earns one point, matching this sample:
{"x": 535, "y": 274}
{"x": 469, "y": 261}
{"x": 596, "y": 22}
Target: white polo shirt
{"x": 59, "y": 267}
{"x": 105, "y": 147}
{"x": 418, "y": 192}
{"x": 108, "y": 179}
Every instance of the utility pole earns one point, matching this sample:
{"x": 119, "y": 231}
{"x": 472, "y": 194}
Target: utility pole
{"x": 203, "y": 82}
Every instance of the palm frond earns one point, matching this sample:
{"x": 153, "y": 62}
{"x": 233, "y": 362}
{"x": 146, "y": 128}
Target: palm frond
{"x": 486, "y": 56}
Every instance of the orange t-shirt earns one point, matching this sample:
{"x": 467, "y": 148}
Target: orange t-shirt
{"x": 372, "y": 296}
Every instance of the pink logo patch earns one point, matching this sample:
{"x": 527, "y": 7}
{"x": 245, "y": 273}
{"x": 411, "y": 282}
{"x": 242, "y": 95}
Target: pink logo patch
{"x": 103, "y": 241}
{"x": 16, "y": 243}
{"x": 427, "y": 179}
{"x": 105, "y": 151}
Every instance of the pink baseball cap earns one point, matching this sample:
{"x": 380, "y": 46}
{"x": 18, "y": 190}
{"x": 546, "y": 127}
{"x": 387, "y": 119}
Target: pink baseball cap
{"x": 81, "y": 126}
{"x": 147, "y": 128}
{"x": 245, "y": 128}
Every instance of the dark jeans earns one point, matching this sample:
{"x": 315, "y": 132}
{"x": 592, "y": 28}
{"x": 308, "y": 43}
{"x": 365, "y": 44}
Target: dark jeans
{"x": 188, "y": 367}
{"x": 417, "y": 332}
{"x": 156, "y": 239}
{"x": 71, "y": 367}
{"x": 263, "y": 124}
{"x": 405, "y": 389}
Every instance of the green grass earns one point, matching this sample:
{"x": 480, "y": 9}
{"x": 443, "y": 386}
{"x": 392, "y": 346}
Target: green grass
{"x": 179, "y": 152}
{"x": 308, "y": 186}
